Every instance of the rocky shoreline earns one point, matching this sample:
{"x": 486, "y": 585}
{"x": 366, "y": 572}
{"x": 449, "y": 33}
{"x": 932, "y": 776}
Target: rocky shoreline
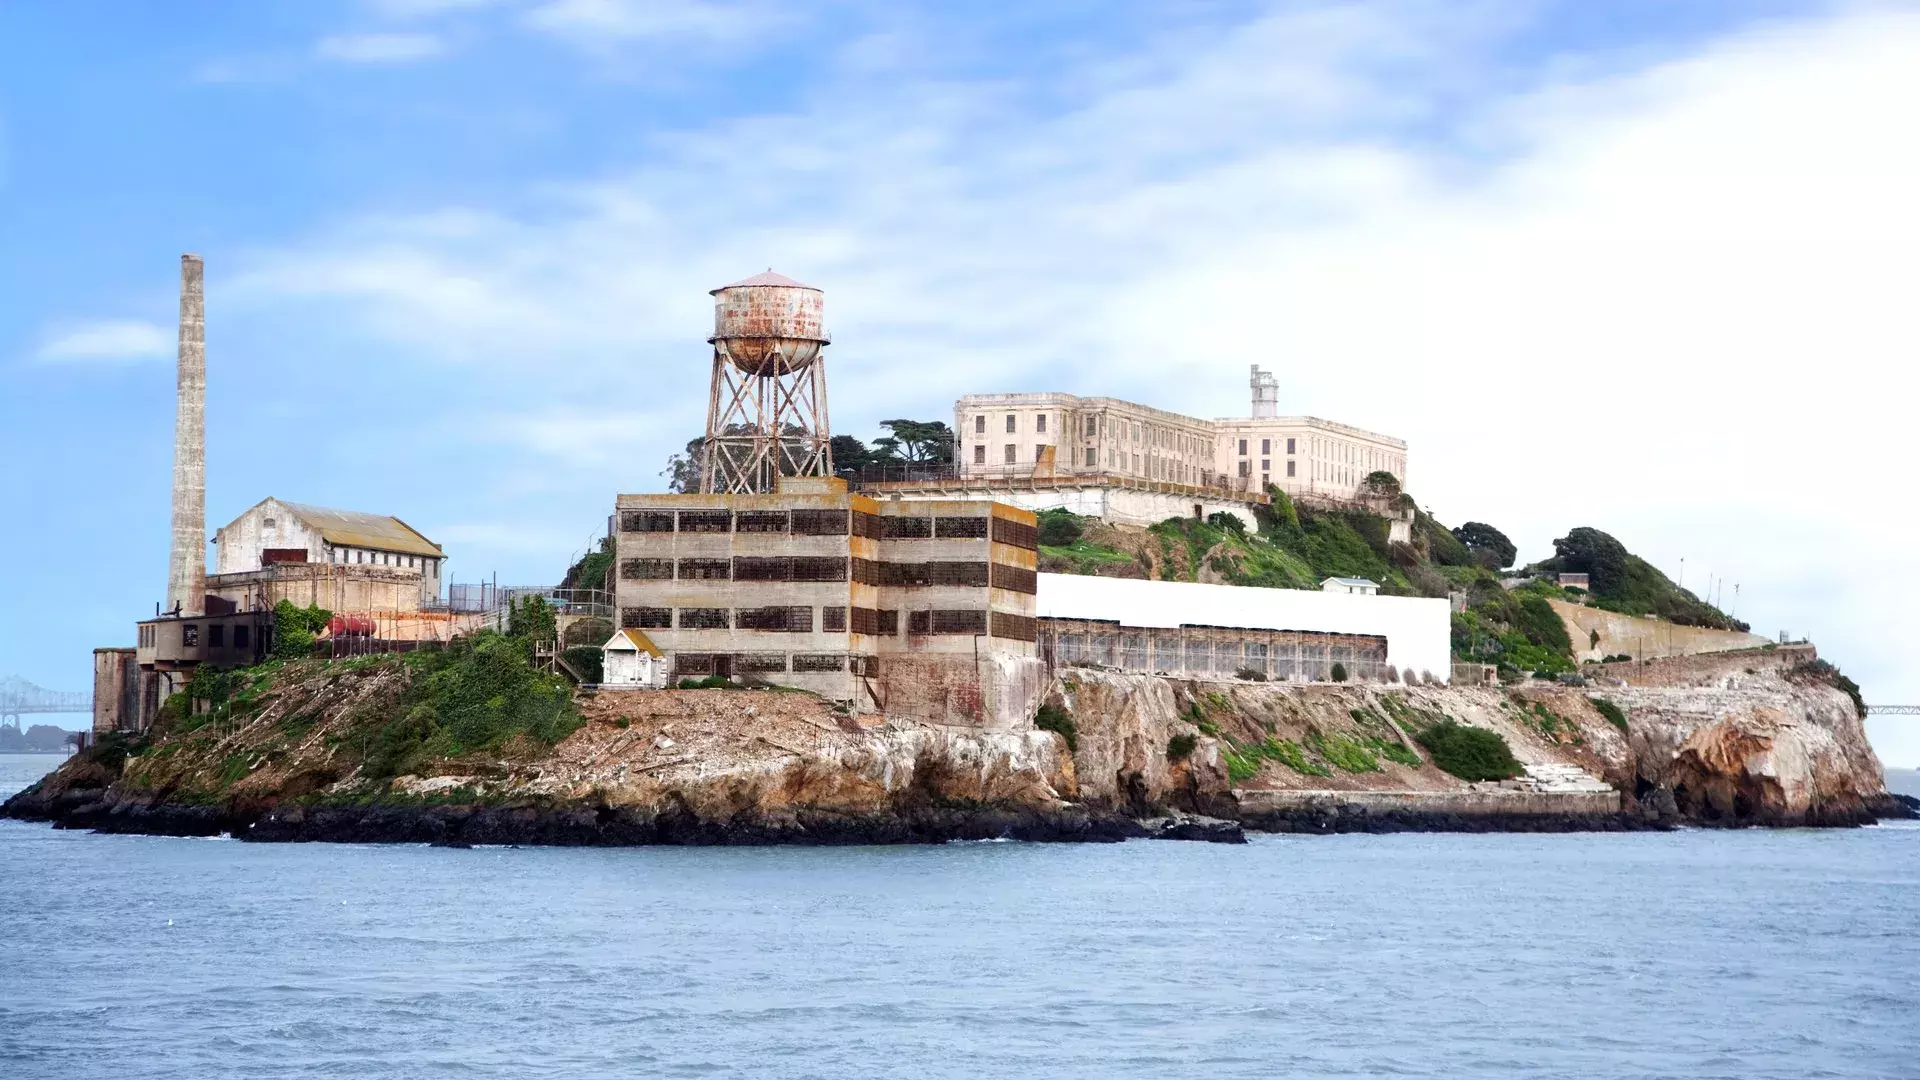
{"x": 457, "y": 825}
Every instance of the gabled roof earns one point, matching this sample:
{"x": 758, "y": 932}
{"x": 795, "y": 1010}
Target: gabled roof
{"x": 767, "y": 280}
{"x": 1351, "y": 581}
{"x": 633, "y": 639}
{"x": 351, "y": 528}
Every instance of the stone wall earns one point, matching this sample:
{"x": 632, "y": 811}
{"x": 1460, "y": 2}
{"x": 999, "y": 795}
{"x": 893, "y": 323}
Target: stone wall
{"x": 1642, "y": 637}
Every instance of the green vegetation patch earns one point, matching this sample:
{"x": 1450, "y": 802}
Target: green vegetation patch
{"x": 1469, "y": 753}
{"x": 1053, "y": 718}
{"x": 1349, "y": 755}
{"x": 1180, "y": 747}
{"x": 1614, "y": 714}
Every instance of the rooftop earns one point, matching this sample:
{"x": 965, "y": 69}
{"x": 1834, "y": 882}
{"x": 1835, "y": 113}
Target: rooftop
{"x": 351, "y": 528}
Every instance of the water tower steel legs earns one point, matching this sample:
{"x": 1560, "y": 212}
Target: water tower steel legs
{"x": 764, "y": 426}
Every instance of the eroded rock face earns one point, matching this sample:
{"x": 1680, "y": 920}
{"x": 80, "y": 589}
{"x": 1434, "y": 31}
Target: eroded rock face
{"x": 1731, "y": 740}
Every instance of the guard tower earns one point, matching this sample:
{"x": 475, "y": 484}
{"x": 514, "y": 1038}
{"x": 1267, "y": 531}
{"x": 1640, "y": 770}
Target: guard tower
{"x": 767, "y": 414}
{"x": 1266, "y": 394}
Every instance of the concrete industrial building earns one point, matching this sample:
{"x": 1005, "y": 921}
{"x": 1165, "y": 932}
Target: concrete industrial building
{"x": 1015, "y": 436}
{"x": 918, "y": 609}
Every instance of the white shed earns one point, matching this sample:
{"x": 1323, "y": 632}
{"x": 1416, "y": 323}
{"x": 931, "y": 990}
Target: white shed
{"x": 630, "y": 659}
{"x": 1357, "y": 586}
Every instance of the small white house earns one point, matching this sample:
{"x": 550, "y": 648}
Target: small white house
{"x": 1355, "y": 586}
{"x": 630, "y": 659}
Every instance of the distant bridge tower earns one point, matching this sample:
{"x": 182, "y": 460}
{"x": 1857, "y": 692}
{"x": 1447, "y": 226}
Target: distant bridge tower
{"x": 1266, "y": 394}
{"x": 767, "y": 414}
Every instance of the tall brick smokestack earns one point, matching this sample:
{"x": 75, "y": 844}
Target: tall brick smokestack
{"x": 187, "y": 565}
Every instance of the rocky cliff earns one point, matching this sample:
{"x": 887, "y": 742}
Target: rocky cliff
{"x": 1733, "y": 739}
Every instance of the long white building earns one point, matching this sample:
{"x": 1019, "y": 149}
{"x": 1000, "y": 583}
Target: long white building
{"x": 1176, "y": 627}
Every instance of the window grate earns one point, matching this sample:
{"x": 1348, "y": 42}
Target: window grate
{"x": 819, "y": 662}
{"x": 705, "y": 521}
{"x": 705, "y": 569}
{"x": 906, "y": 528}
{"x": 646, "y": 569}
{"x": 703, "y": 618}
{"x": 960, "y": 621}
{"x": 819, "y": 523}
{"x": 785, "y": 620}
{"x": 760, "y": 521}
{"x": 961, "y": 528}
{"x": 646, "y": 618}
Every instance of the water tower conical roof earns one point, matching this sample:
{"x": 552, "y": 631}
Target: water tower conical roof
{"x": 767, "y": 280}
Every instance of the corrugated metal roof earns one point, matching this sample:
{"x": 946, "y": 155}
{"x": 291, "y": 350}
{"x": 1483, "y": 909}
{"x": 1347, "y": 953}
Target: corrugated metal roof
{"x": 637, "y": 639}
{"x": 350, "y": 528}
{"x": 770, "y": 279}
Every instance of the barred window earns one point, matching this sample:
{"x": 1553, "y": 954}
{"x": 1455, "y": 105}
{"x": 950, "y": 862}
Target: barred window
{"x": 1014, "y": 627}
{"x": 1133, "y": 652}
{"x": 776, "y": 568}
{"x": 867, "y": 572}
{"x": 864, "y": 665}
{"x": 703, "y": 618}
{"x": 646, "y": 569}
{"x": 1017, "y": 533}
{"x": 1015, "y": 579}
{"x": 693, "y": 663}
{"x": 890, "y": 623}
{"x": 646, "y": 521}
{"x": 866, "y": 621}
{"x": 819, "y": 568}
{"x": 906, "y": 528}
{"x": 819, "y": 662}
{"x": 919, "y": 622}
{"x": 819, "y": 523}
{"x": 704, "y": 569}
{"x": 760, "y": 661}
{"x": 961, "y": 528}
{"x": 960, "y": 621}
{"x": 833, "y": 620}
{"x": 760, "y": 521}
{"x": 867, "y": 525}
{"x": 956, "y": 573}
{"x": 705, "y": 521}
{"x": 786, "y": 620}
{"x": 646, "y": 618}
{"x": 1199, "y": 656}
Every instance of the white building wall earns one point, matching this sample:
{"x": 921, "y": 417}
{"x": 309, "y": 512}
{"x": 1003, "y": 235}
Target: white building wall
{"x": 1418, "y": 629}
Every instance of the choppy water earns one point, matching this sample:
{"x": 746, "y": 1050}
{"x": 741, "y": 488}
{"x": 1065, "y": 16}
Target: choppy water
{"x": 1751, "y": 954}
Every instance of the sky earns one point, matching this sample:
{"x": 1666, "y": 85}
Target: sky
{"x": 1641, "y": 265}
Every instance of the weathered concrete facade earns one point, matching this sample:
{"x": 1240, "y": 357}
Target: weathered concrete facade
{"x": 285, "y": 538}
{"x": 334, "y": 586}
{"x": 921, "y": 609}
{"x": 116, "y": 691}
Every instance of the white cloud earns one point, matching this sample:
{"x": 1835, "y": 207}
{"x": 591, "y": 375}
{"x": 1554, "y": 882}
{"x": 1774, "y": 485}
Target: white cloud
{"x": 108, "y": 339}
{"x": 1669, "y": 301}
{"x": 379, "y": 48}
{"x": 600, "y": 23}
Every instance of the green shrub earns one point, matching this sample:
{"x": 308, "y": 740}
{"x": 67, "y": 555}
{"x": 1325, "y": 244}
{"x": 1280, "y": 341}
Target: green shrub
{"x": 294, "y": 629}
{"x": 1242, "y": 765}
{"x": 479, "y": 693}
{"x": 1395, "y": 752}
{"x": 1057, "y": 720}
{"x": 711, "y": 682}
{"x": 587, "y": 661}
{"x": 1612, "y": 712}
{"x": 1060, "y": 528}
{"x": 1469, "y": 753}
{"x": 1251, "y": 674}
{"x": 1180, "y": 747}
{"x": 1339, "y": 672}
{"x": 1226, "y": 522}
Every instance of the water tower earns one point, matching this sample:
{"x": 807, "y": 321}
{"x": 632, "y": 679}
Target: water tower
{"x": 767, "y": 416}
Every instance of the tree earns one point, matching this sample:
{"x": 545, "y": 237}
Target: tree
{"x": 850, "y": 455}
{"x": 917, "y": 442}
{"x": 1604, "y": 560}
{"x": 1227, "y": 522}
{"x": 1381, "y": 483}
{"x": 683, "y": 469}
{"x": 1488, "y": 545}
{"x": 1059, "y": 528}
{"x": 531, "y": 619}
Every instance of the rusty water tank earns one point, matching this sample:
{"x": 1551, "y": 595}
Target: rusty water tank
{"x": 768, "y": 324}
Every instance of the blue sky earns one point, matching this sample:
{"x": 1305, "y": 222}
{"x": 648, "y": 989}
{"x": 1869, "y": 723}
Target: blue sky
{"x": 1636, "y": 265}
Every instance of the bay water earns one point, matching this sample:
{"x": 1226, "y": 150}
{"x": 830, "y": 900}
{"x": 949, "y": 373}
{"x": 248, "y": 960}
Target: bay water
{"x": 1792, "y": 953}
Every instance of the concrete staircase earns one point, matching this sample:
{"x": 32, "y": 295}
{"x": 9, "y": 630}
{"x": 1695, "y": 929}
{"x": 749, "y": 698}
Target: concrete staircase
{"x": 1562, "y": 779}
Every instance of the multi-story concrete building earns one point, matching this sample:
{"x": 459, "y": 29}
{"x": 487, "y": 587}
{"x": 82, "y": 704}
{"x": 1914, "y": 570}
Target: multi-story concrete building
{"x": 921, "y": 609}
{"x": 1011, "y": 436}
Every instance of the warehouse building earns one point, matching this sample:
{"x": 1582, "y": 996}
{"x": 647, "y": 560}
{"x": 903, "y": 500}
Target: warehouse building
{"x": 922, "y": 609}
